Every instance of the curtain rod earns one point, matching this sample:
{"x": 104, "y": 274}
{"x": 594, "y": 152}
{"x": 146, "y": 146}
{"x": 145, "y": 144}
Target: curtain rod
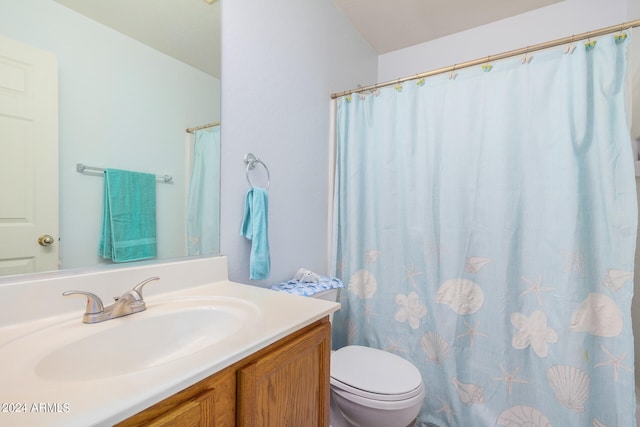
{"x": 546, "y": 45}
{"x": 208, "y": 125}
{"x": 81, "y": 168}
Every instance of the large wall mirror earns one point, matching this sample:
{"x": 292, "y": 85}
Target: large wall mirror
{"x": 132, "y": 76}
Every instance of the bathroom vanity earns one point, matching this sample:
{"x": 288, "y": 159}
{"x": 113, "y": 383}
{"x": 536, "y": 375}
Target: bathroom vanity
{"x": 284, "y": 384}
{"x": 206, "y": 351}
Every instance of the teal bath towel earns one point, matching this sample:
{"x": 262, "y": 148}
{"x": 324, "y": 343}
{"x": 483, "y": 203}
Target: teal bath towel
{"x": 129, "y": 216}
{"x": 255, "y": 228}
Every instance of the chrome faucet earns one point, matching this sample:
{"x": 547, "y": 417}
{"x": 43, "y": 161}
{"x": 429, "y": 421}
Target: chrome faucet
{"x": 130, "y": 302}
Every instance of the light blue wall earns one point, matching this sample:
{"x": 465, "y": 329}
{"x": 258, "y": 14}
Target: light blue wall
{"x": 281, "y": 60}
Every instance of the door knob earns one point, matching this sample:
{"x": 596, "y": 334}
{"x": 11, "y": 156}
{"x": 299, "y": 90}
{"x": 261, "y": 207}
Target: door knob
{"x": 45, "y": 240}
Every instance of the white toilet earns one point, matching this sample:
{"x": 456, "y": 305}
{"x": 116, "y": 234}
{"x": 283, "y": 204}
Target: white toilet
{"x": 373, "y": 388}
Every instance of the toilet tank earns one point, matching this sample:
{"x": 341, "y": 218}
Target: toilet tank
{"x": 328, "y": 295}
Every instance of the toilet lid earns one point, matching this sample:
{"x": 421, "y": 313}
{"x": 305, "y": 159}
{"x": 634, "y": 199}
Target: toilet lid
{"x": 374, "y": 371}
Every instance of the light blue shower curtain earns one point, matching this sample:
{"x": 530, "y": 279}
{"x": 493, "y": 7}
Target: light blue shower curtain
{"x": 203, "y": 206}
{"x": 485, "y": 227}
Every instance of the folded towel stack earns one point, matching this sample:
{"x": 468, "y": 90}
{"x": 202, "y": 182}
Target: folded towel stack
{"x": 129, "y": 216}
{"x": 296, "y": 287}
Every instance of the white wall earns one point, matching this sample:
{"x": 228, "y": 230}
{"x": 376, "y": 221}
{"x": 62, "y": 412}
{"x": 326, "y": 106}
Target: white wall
{"x": 122, "y": 105}
{"x": 281, "y": 60}
{"x": 541, "y": 25}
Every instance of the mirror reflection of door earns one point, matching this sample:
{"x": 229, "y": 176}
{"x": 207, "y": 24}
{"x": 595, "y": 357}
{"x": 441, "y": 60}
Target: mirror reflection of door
{"x": 28, "y": 159}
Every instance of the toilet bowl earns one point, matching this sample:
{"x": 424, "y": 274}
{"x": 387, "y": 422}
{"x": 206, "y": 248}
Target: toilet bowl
{"x": 373, "y": 388}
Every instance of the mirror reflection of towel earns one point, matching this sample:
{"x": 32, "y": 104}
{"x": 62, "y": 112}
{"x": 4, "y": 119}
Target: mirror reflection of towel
{"x": 255, "y": 228}
{"x": 129, "y": 216}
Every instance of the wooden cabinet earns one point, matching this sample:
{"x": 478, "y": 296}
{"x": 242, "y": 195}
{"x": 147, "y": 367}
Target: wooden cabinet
{"x": 289, "y": 386}
{"x": 284, "y": 384}
{"x": 211, "y": 402}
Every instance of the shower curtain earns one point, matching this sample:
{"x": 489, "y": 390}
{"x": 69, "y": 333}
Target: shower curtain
{"x": 203, "y": 205}
{"x": 485, "y": 225}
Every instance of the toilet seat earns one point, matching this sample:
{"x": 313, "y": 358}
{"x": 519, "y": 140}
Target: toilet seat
{"x": 376, "y": 396}
{"x": 374, "y": 374}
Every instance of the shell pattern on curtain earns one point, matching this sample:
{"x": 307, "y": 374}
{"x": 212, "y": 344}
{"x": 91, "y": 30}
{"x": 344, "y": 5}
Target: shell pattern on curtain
{"x": 485, "y": 227}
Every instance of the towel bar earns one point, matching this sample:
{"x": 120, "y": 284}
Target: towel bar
{"x": 250, "y": 160}
{"x": 80, "y": 168}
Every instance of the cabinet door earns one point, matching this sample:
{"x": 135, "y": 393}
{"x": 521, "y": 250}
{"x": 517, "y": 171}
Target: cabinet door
{"x": 185, "y": 415}
{"x": 288, "y": 387}
{"x": 210, "y": 402}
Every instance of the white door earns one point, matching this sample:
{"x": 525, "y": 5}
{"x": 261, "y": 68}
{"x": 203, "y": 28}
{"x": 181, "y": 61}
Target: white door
{"x": 28, "y": 159}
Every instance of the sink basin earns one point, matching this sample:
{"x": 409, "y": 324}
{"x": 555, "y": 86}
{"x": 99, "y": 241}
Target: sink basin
{"x": 166, "y": 332}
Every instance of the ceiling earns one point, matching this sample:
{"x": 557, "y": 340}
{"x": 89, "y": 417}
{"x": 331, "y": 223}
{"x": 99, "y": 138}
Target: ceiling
{"x": 189, "y": 30}
{"x": 393, "y": 25}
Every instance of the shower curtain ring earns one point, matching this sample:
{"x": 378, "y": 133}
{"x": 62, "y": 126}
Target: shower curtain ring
{"x": 452, "y": 74}
{"x": 621, "y": 36}
{"x": 570, "y": 47}
{"x": 487, "y": 66}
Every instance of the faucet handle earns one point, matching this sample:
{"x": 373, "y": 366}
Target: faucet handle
{"x": 94, "y": 303}
{"x": 138, "y": 288}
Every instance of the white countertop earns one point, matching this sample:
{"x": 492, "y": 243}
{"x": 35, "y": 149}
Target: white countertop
{"x": 30, "y": 400}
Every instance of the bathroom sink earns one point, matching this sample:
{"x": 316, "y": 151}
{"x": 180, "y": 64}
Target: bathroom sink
{"x": 164, "y": 333}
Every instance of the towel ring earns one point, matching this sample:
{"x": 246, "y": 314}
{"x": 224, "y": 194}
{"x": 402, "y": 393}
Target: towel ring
{"x": 250, "y": 160}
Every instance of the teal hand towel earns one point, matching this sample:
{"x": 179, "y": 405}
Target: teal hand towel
{"x": 129, "y": 216}
{"x": 255, "y": 228}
